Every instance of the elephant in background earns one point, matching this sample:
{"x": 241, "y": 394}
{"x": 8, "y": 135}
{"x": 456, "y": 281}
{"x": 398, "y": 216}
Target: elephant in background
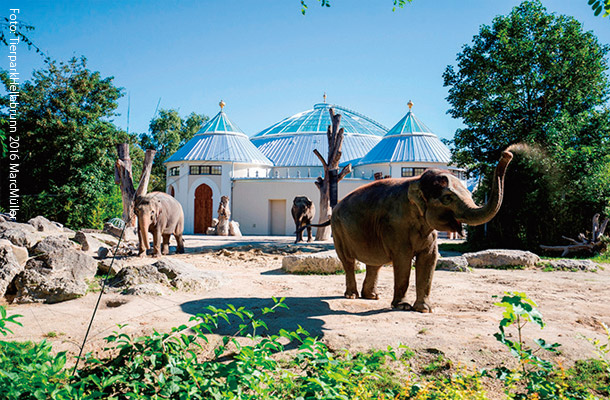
{"x": 162, "y": 215}
{"x": 394, "y": 220}
{"x": 303, "y": 212}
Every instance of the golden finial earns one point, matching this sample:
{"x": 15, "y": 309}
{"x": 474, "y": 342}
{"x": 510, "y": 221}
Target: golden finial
{"x": 324, "y": 97}
{"x": 221, "y": 104}
{"x": 410, "y": 104}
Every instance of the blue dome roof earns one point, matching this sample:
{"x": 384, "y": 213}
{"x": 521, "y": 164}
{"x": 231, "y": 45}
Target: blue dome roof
{"x": 291, "y": 141}
{"x": 410, "y": 140}
{"x": 220, "y": 140}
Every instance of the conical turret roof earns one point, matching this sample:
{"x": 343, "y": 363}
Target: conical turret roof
{"x": 410, "y": 140}
{"x": 220, "y": 140}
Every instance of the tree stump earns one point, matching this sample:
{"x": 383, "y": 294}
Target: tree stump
{"x": 123, "y": 176}
{"x": 328, "y": 185}
{"x": 224, "y": 214}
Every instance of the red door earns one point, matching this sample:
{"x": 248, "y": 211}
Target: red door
{"x": 171, "y": 191}
{"x": 203, "y": 208}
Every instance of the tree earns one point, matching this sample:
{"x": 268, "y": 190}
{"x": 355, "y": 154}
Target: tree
{"x": 168, "y": 132}
{"x": 600, "y": 5}
{"x": 66, "y": 144}
{"x": 535, "y": 78}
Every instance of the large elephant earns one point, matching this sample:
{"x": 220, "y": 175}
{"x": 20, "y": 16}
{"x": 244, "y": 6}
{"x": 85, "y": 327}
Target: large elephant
{"x": 303, "y": 212}
{"x": 394, "y": 220}
{"x": 162, "y": 215}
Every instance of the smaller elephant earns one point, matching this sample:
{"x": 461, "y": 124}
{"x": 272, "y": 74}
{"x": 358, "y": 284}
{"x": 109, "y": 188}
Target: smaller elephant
{"x": 162, "y": 215}
{"x": 303, "y": 212}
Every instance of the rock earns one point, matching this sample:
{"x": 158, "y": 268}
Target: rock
{"x": 214, "y": 222}
{"x": 107, "y": 265}
{"x": 20, "y": 234}
{"x": 82, "y": 239}
{"x": 570, "y": 265}
{"x": 137, "y": 275}
{"x": 52, "y": 243}
{"x": 234, "y": 229}
{"x": 102, "y": 252}
{"x": 20, "y": 253}
{"x": 185, "y": 276}
{"x": 148, "y": 289}
{"x": 502, "y": 259}
{"x": 9, "y": 267}
{"x": 455, "y": 264}
{"x": 211, "y": 231}
{"x": 89, "y": 243}
{"x": 130, "y": 234}
{"x": 58, "y": 275}
{"x": 325, "y": 262}
{"x": 41, "y": 224}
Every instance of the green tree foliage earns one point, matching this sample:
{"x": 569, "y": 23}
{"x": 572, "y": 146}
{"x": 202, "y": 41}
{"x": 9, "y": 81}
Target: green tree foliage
{"x": 535, "y": 78}
{"x": 168, "y": 132}
{"x": 600, "y": 5}
{"x": 67, "y": 144}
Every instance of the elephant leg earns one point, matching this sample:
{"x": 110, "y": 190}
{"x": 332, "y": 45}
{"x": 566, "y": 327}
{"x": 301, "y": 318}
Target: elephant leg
{"x": 299, "y": 233}
{"x": 156, "y": 243}
{"x": 142, "y": 242}
{"x": 309, "y": 237}
{"x": 425, "y": 264}
{"x": 165, "y": 247}
{"x": 349, "y": 266}
{"x": 179, "y": 243}
{"x": 402, "y": 273}
{"x": 369, "y": 287}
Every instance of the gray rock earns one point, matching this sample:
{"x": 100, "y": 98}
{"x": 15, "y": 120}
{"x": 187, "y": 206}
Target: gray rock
{"x": 185, "y": 276}
{"x": 211, "y": 231}
{"x": 502, "y": 259}
{"x": 455, "y": 264}
{"x": 130, "y": 234}
{"x": 571, "y": 265}
{"x": 146, "y": 289}
{"x": 107, "y": 265}
{"x": 138, "y": 275}
{"x": 88, "y": 242}
{"x": 41, "y": 224}
{"x": 58, "y": 275}
{"x": 53, "y": 243}
{"x": 20, "y": 253}
{"x": 9, "y": 268}
{"x": 20, "y": 234}
{"x": 325, "y": 262}
{"x": 102, "y": 252}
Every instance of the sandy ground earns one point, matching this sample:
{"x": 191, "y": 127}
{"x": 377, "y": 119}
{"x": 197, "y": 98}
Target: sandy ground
{"x": 462, "y": 325}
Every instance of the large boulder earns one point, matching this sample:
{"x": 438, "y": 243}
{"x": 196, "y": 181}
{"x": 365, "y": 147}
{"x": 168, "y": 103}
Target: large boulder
{"x": 20, "y": 253}
{"x": 455, "y": 264}
{"x": 139, "y": 275}
{"x": 24, "y": 235}
{"x": 41, "y": 224}
{"x": 88, "y": 242}
{"x": 57, "y": 275}
{"x": 52, "y": 243}
{"x": 185, "y": 276}
{"x": 325, "y": 262}
{"x": 502, "y": 259}
{"x": 9, "y": 267}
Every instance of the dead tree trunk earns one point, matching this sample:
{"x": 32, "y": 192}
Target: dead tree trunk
{"x": 123, "y": 176}
{"x": 328, "y": 185}
{"x": 583, "y": 244}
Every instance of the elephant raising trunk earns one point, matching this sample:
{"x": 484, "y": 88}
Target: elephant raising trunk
{"x": 470, "y": 214}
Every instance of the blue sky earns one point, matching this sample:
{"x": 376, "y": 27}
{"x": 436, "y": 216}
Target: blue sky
{"x": 265, "y": 59}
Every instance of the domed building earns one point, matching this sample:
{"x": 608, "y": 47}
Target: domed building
{"x": 262, "y": 175}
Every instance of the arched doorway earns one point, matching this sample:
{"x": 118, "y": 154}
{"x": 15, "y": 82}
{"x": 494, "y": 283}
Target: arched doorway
{"x": 172, "y": 192}
{"x": 203, "y": 208}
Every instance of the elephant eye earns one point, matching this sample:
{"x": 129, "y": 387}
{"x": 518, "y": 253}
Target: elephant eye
{"x": 446, "y": 199}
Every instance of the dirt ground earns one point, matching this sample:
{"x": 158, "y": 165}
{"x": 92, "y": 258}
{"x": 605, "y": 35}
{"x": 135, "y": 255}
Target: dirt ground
{"x": 462, "y": 326}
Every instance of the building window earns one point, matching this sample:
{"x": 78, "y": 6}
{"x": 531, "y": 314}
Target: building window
{"x": 460, "y": 174}
{"x": 408, "y": 171}
{"x": 206, "y": 170}
{"x": 174, "y": 171}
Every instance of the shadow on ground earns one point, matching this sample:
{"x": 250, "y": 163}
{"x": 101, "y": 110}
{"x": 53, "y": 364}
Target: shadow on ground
{"x": 303, "y": 311}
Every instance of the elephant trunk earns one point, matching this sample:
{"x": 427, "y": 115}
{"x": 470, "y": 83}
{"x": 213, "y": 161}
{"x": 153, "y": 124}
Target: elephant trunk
{"x": 473, "y": 215}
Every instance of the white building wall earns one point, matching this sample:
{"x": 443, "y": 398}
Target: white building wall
{"x": 251, "y": 200}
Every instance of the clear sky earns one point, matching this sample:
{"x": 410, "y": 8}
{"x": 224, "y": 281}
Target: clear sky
{"x": 265, "y": 59}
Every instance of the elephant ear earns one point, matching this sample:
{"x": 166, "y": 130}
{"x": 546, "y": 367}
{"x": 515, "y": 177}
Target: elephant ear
{"x": 417, "y": 197}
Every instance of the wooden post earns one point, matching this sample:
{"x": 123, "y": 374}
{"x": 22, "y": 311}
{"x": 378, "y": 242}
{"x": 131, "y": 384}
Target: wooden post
{"x": 123, "y": 176}
{"x": 328, "y": 185}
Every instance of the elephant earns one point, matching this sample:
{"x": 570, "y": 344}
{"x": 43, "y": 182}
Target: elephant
{"x": 394, "y": 220}
{"x": 303, "y": 212}
{"x": 162, "y": 215}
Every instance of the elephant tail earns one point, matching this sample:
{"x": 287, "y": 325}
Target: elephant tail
{"x": 301, "y": 229}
